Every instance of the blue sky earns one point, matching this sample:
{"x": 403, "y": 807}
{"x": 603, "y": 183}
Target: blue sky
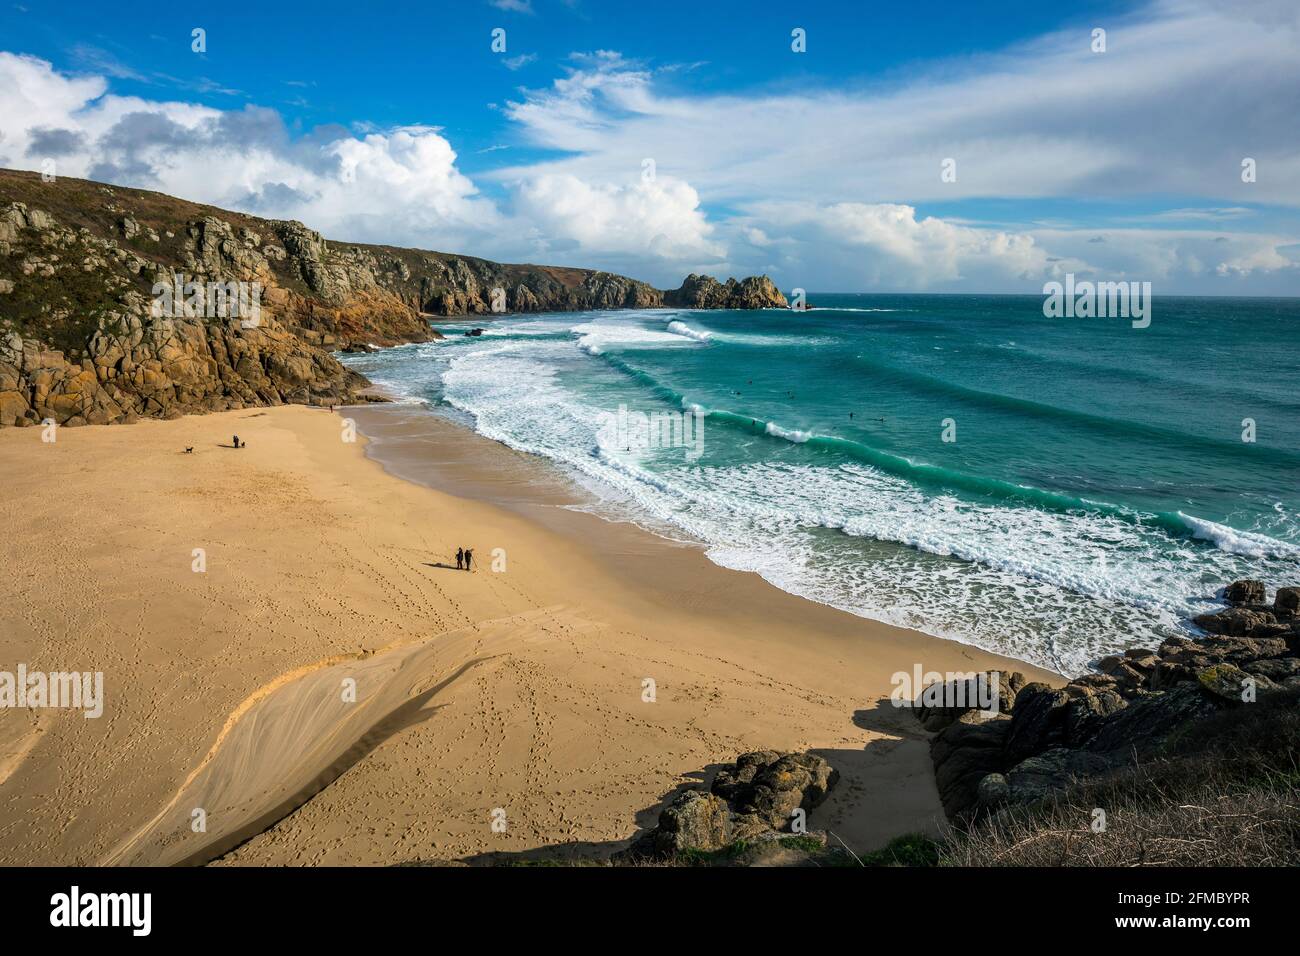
{"x": 398, "y": 123}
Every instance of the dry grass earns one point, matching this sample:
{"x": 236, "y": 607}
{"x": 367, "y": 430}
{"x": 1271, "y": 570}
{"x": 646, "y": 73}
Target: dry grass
{"x": 1226, "y": 792}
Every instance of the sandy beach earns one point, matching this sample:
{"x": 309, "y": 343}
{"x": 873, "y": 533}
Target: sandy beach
{"x": 329, "y": 689}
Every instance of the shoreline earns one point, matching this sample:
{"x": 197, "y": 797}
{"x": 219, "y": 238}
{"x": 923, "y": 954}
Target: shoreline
{"x": 411, "y": 441}
{"x": 520, "y": 690}
{"x": 1027, "y": 569}
{"x": 427, "y": 449}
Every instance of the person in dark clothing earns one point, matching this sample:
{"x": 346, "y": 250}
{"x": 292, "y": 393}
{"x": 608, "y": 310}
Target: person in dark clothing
{"x": 469, "y": 558}
{"x": 460, "y": 558}
{"x": 237, "y": 445}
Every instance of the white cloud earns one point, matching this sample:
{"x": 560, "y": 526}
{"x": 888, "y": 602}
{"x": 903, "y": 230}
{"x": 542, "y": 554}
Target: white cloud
{"x": 393, "y": 186}
{"x": 1221, "y": 214}
{"x": 1185, "y": 91}
{"x": 658, "y": 219}
{"x": 885, "y": 245}
{"x": 34, "y": 96}
{"x": 827, "y": 189}
{"x": 1170, "y": 256}
{"x": 397, "y": 186}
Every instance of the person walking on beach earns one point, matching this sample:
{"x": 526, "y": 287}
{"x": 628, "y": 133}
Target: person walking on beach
{"x": 460, "y": 558}
{"x": 469, "y": 557}
{"x": 236, "y": 441}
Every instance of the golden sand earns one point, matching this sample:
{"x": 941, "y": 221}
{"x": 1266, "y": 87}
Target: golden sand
{"x": 516, "y": 695}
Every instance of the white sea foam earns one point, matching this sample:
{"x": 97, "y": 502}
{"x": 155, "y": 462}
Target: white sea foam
{"x": 681, "y": 328}
{"x": 1244, "y": 543}
{"x": 1052, "y": 588}
{"x": 515, "y": 331}
{"x": 595, "y": 337}
{"x": 836, "y": 308}
{"x": 997, "y": 576}
{"x": 767, "y": 340}
{"x": 789, "y": 434}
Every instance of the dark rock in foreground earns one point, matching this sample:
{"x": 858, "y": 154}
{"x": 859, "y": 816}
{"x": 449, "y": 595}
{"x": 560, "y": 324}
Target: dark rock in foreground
{"x": 935, "y": 717}
{"x": 753, "y": 799}
{"x": 1055, "y": 737}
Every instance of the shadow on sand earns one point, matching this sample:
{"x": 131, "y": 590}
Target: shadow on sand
{"x": 875, "y": 800}
{"x": 582, "y": 851}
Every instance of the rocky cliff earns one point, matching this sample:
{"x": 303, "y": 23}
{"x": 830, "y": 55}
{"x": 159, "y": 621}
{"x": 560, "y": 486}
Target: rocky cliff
{"x": 83, "y": 339}
{"x": 1044, "y": 740}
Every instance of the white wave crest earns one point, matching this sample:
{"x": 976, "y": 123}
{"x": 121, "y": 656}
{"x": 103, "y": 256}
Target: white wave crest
{"x": 681, "y": 328}
{"x": 1245, "y": 543}
{"x": 789, "y": 434}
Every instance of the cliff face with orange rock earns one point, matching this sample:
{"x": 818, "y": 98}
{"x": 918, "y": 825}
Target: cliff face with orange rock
{"x": 83, "y": 340}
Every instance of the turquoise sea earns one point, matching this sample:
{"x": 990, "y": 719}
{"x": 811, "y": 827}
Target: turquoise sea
{"x": 1095, "y": 489}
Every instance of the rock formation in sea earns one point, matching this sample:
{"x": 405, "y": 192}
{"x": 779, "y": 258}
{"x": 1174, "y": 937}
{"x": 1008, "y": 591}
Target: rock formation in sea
{"x": 706, "y": 292}
{"x": 82, "y": 340}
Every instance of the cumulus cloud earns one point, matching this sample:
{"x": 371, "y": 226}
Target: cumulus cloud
{"x": 399, "y": 185}
{"x": 660, "y": 216}
{"x": 36, "y": 98}
{"x": 886, "y": 245}
{"x": 1185, "y": 91}
{"x": 55, "y": 142}
{"x": 889, "y": 247}
{"x": 823, "y": 188}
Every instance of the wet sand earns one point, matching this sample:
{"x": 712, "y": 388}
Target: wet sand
{"x": 514, "y": 695}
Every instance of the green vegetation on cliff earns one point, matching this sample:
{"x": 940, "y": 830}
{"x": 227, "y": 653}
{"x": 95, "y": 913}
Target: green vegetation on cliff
{"x": 81, "y": 341}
